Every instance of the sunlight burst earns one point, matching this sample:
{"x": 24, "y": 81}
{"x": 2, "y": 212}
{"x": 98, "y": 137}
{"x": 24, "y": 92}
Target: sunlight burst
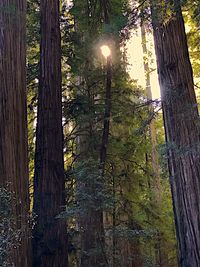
{"x": 105, "y": 50}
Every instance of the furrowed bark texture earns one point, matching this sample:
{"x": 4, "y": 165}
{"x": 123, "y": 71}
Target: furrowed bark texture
{"x": 182, "y": 134}
{"x": 13, "y": 121}
{"x": 50, "y": 235}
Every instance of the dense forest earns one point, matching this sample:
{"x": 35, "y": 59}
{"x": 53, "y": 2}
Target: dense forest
{"x": 94, "y": 171}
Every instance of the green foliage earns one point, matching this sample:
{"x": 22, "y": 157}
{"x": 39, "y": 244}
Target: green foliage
{"x": 124, "y": 194}
{"x": 9, "y": 235}
{"x": 90, "y": 192}
{"x": 192, "y": 16}
{"x": 33, "y": 38}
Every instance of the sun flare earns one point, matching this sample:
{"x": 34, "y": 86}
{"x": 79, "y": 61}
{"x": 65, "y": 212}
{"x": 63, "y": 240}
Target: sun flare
{"x": 105, "y": 50}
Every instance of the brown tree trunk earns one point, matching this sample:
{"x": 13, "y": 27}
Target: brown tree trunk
{"x": 182, "y": 132}
{"x": 50, "y": 233}
{"x": 129, "y": 249}
{"x": 13, "y": 120}
{"x": 95, "y": 254}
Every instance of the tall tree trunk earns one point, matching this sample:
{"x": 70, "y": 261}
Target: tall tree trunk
{"x": 92, "y": 223}
{"x": 50, "y": 233}
{"x": 182, "y": 132}
{"x": 160, "y": 250}
{"x": 107, "y": 113}
{"x": 152, "y": 128}
{"x": 89, "y": 221}
{"x": 13, "y": 120}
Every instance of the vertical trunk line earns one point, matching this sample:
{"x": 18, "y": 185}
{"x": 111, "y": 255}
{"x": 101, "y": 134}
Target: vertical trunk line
{"x": 13, "y": 124}
{"x": 50, "y": 233}
{"x": 182, "y": 130}
{"x": 152, "y": 128}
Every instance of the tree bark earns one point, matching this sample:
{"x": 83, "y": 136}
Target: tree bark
{"x": 181, "y": 123}
{"x": 50, "y": 233}
{"x": 13, "y": 121}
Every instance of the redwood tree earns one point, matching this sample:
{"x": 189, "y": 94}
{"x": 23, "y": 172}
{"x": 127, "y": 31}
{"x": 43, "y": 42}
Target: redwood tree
{"x": 13, "y": 121}
{"x": 181, "y": 122}
{"x": 50, "y": 236}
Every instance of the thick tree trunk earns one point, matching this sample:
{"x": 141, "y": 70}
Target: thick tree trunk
{"x": 182, "y": 133}
{"x": 50, "y": 235}
{"x": 13, "y": 121}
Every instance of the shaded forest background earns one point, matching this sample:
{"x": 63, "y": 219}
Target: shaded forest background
{"x": 93, "y": 172}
